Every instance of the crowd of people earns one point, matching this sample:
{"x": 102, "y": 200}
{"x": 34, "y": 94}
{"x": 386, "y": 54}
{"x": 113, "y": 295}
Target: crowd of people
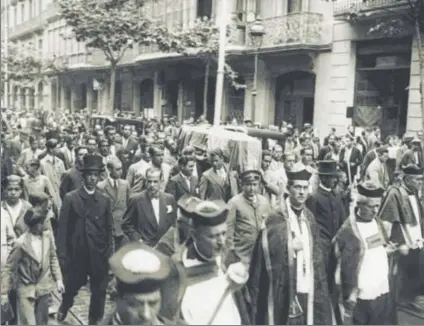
{"x": 325, "y": 231}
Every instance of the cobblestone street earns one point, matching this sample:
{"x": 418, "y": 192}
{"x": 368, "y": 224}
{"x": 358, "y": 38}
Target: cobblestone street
{"x": 78, "y": 315}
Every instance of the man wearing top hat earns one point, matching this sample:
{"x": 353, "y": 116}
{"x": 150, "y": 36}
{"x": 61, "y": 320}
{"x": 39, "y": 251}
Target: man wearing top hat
{"x": 140, "y": 272}
{"x": 328, "y": 209}
{"x": 247, "y": 211}
{"x": 402, "y": 213}
{"x": 287, "y": 283}
{"x": 365, "y": 274}
{"x": 85, "y": 241}
{"x": 198, "y": 270}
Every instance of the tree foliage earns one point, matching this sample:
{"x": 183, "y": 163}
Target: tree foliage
{"x": 201, "y": 39}
{"x": 24, "y": 65}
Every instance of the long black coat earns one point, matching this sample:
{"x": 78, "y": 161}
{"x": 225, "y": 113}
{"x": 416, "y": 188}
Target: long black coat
{"x": 85, "y": 238}
{"x": 278, "y": 276}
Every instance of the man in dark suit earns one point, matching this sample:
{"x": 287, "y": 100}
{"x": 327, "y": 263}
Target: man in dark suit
{"x": 67, "y": 153}
{"x": 129, "y": 143}
{"x": 6, "y": 161}
{"x": 18, "y": 145}
{"x": 350, "y": 158}
{"x": 413, "y": 155}
{"x": 118, "y": 191}
{"x": 217, "y": 183}
{"x": 85, "y": 241}
{"x": 72, "y": 178}
{"x": 151, "y": 213}
{"x": 368, "y": 158}
{"x": 184, "y": 182}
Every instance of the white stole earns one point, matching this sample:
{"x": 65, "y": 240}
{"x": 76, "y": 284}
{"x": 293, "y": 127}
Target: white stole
{"x": 300, "y": 230}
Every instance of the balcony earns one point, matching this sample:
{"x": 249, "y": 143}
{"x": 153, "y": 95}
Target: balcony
{"x": 33, "y": 25}
{"x": 343, "y": 7}
{"x": 295, "y": 30}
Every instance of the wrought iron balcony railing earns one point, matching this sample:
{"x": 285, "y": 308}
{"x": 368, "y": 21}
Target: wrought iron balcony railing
{"x": 30, "y": 26}
{"x": 303, "y": 28}
{"x": 347, "y": 6}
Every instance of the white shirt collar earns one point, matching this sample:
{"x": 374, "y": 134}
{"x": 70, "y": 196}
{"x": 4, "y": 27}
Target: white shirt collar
{"x": 90, "y": 192}
{"x": 325, "y": 188}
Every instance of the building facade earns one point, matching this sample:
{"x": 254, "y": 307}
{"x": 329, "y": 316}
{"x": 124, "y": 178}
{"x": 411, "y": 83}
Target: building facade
{"x": 375, "y": 75}
{"x": 313, "y": 66}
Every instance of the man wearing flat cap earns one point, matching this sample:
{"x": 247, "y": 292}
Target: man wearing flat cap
{"x": 365, "y": 256}
{"x": 378, "y": 171}
{"x": 402, "y": 213}
{"x": 140, "y": 272}
{"x": 198, "y": 270}
{"x": 247, "y": 211}
{"x": 85, "y": 241}
{"x": 287, "y": 283}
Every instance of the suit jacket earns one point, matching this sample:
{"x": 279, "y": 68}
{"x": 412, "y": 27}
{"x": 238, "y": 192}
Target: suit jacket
{"x": 177, "y": 186}
{"x": 33, "y": 274}
{"x": 86, "y": 226}
{"x": 324, "y": 151}
{"x": 355, "y": 161}
{"x": 19, "y": 227}
{"x": 66, "y": 157}
{"x": 213, "y": 187}
{"x": 140, "y": 222}
{"x": 6, "y": 165}
{"x": 119, "y": 198}
{"x": 132, "y": 145}
{"x": 378, "y": 172}
{"x": 16, "y": 147}
{"x": 409, "y": 158}
{"x": 71, "y": 180}
{"x": 368, "y": 158}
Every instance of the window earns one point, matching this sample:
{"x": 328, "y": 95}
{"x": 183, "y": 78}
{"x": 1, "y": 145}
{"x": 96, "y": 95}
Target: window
{"x": 294, "y": 6}
{"x": 30, "y": 9}
{"x": 22, "y": 13}
{"x": 40, "y": 47}
{"x": 204, "y": 8}
{"x": 15, "y": 15}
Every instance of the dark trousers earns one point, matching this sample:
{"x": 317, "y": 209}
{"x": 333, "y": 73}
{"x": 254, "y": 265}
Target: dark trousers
{"x": 372, "y": 312}
{"x": 120, "y": 240}
{"x": 98, "y": 286}
{"x": 12, "y": 300}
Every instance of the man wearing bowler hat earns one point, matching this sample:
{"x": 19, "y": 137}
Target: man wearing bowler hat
{"x": 328, "y": 209}
{"x": 85, "y": 241}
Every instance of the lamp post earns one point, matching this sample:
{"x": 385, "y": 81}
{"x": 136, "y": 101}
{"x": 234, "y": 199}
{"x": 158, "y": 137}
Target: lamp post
{"x": 6, "y": 54}
{"x": 257, "y": 32}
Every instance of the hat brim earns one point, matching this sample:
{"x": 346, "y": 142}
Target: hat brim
{"x": 92, "y": 169}
{"x": 329, "y": 173}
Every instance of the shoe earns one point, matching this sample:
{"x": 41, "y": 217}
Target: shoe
{"x": 61, "y": 314}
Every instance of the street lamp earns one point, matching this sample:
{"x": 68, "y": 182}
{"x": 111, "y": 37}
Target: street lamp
{"x": 257, "y": 32}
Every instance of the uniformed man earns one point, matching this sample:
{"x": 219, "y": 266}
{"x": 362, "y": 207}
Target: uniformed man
{"x": 198, "y": 271}
{"x": 139, "y": 270}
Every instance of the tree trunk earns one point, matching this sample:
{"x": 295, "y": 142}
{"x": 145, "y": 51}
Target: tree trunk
{"x": 111, "y": 109}
{"x": 205, "y": 88}
{"x": 421, "y": 66}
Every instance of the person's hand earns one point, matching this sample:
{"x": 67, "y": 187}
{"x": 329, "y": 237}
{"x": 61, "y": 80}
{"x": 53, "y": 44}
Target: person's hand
{"x": 238, "y": 275}
{"x": 60, "y": 286}
{"x": 297, "y": 244}
{"x": 391, "y": 248}
{"x": 403, "y": 250}
{"x": 4, "y": 299}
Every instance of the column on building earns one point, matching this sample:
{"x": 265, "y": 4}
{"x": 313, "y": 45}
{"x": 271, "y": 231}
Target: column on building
{"x": 63, "y": 104}
{"x": 248, "y": 114}
{"x": 27, "y": 95}
{"x": 136, "y": 97}
{"x": 74, "y": 98}
{"x": 157, "y": 94}
{"x": 90, "y": 95}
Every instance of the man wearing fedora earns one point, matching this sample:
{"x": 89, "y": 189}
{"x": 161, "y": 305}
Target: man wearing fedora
{"x": 328, "y": 209}
{"x": 85, "y": 241}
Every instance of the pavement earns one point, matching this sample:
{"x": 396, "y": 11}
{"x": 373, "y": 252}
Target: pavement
{"x": 78, "y": 315}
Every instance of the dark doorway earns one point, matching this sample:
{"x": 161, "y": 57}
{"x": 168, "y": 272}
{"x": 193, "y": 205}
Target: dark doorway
{"x": 146, "y": 94}
{"x": 204, "y": 8}
{"x": 308, "y": 110}
{"x": 172, "y": 98}
{"x": 118, "y": 95}
{"x": 84, "y": 96}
